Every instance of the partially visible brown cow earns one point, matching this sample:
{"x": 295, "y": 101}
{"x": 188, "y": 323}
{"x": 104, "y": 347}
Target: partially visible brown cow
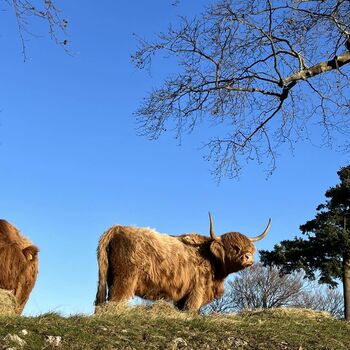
{"x": 189, "y": 269}
{"x": 18, "y": 263}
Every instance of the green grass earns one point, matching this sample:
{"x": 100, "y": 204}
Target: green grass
{"x": 162, "y": 327}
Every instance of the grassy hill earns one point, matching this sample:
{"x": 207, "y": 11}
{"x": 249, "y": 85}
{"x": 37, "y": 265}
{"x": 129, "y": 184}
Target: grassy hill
{"x": 162, "y": 327}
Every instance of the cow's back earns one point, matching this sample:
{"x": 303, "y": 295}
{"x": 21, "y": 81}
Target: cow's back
{"x": 9, "y": 233}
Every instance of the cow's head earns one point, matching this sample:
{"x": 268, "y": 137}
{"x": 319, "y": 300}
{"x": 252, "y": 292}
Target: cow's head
{"x": 234, "y": 250}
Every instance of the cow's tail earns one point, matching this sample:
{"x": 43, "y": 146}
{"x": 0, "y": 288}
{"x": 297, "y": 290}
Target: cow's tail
{"x": 102, "y": 258}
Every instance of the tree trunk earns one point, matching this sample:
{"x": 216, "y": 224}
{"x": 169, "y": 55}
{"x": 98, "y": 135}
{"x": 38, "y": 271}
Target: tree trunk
{"x": 346, "y": 287}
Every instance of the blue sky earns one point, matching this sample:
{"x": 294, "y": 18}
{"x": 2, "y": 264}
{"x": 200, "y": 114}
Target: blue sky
{"x": 72, "y": 164}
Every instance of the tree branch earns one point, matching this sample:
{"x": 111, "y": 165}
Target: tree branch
{"x": 322, "y": 67}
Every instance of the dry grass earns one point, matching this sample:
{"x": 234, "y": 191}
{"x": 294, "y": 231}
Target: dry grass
{"x": 161, "y": 326}
{"x": 291, "y": 311}
{"x": 160, "y": 309}
{"x": 8, "y": 304}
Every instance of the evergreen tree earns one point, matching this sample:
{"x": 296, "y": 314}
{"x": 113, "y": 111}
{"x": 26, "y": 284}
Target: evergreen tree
{"x": 324, "y": 253}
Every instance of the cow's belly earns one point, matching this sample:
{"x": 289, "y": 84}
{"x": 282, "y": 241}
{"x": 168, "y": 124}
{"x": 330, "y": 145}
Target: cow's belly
{"x": 164, "y": 287}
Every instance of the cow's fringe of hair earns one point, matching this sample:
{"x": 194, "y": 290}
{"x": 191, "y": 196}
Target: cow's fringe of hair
{"x": 102, "y": 258}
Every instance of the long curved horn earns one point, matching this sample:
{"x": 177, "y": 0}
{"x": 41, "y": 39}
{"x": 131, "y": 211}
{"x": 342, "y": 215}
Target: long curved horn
{"x": 258, "y": 238}
{"x": 212, "y": 234}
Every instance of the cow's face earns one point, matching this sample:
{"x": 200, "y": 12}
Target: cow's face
{"x": 234, "y": 250}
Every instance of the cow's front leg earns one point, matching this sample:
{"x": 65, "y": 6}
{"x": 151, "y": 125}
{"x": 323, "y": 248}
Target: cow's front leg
{"x": 193, "y": 301}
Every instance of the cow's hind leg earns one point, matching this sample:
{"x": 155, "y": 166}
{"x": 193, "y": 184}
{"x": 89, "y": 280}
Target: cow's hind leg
{"x": 121, "y": 286}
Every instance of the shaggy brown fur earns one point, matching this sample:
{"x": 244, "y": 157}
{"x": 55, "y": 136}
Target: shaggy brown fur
{"x": 18, "y": 263}
{"x": 189, "y": 269}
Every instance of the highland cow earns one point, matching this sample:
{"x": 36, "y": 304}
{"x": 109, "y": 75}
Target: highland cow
{"x": 188, "y": 269}
{"x": 18, "y": 264}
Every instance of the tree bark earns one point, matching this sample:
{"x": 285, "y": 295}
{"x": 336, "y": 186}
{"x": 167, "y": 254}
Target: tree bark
{"x": 346, "y": 287}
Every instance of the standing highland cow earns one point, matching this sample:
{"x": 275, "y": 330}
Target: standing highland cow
{"x": 189, "y": 269}
{"x": 18, "y": 263}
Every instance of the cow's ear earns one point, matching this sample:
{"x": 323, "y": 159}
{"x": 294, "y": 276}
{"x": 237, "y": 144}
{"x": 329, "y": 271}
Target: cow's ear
{"x": 217, "y": 248}
{"x": 30, "y": 252}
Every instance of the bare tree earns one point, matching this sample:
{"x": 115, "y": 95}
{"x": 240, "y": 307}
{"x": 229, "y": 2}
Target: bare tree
{"x": 266, "y": 287}
{"x": 264, "y": 73}
{"x": 260, "y": 287}
{"x": 323, "y": 299}
{"x": 47, "y": 11}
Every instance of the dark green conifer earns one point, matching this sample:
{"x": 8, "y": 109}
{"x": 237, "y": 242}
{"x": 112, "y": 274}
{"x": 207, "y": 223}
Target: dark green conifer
{"x": 324, "y": 251}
